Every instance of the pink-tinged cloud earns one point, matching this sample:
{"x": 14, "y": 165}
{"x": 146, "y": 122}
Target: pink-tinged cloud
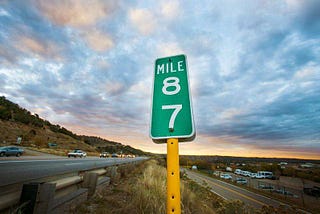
{"x": 35, "y": 47}
{"x": 98, "y": 41}
{"x": 75, "y": 13}
{"x": 142, "y": 20}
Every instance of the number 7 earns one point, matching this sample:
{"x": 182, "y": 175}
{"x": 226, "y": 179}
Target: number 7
{"x": 176, "y": 108}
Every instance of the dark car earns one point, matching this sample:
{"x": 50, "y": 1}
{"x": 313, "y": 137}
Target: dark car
{"x": 266, "y": 187}
{"x": 11, "y": 150}
{"x": 315, "y": 191}
{"x": 241, "y": 181}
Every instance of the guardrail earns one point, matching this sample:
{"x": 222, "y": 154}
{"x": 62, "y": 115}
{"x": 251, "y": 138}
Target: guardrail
{"x": 54, "y": 194}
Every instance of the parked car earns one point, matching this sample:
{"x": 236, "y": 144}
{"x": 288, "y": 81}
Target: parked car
{"x": 241, "y": 181}
{"x": 11, "y": 150}
{"x": 314, "y": 191}
{"x": 238, "y": 171}
{"x": 245, "y": 173}
{"x": 266, "y": 187}
{"x": 226, "y": 176}
{"x": 253, "y": 175}
{"x": 77, "y": 153}
{"x": 104, "y": 155}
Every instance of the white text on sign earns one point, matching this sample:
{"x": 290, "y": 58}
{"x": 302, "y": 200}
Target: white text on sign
{"x": 169, "y": 67}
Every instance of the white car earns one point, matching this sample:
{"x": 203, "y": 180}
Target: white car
{"x": 245, "y": 173}
{"x": 226, "y": 176}
{"x": 253, "y": 175}
{"x": 238, "y": 171}
{"x": 77, "y": 153}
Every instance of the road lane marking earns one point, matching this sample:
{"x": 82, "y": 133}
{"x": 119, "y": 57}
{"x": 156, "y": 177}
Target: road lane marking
{"x": 231, "y": 190}
{"x": 238, "y": 193}
{"x": 218, "y": 194}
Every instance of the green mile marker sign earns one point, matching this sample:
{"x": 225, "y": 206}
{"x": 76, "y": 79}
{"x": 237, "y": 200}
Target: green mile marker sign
{"x": 171, "y": 115}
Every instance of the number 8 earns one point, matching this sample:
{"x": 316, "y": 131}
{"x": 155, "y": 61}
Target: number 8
{"x": 174, "y": 82}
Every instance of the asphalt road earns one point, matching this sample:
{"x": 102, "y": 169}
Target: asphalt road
{"x": 232, "y": 192}
{"x": 20, "y": 170}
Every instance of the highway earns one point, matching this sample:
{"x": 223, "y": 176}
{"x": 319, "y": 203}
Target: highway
{"x": 20, "y": 170}
{"x": 232, "y": 192}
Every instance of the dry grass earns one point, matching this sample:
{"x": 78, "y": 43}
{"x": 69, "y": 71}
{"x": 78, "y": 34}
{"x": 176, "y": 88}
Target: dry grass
{"x": 143, "y": 191}
{"x": 150, "y": 190}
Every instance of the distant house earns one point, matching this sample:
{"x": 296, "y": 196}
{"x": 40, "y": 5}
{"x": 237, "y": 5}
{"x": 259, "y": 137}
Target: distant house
{"x": 307, "y": 165}
{"x": 194, "y": 167}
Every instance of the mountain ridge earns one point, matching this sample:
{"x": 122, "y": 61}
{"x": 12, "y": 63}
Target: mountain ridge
{"x": 17, "y": 122}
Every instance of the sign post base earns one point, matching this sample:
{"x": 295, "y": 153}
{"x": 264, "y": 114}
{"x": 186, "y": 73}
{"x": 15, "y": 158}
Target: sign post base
{"x": 173, "y": 177}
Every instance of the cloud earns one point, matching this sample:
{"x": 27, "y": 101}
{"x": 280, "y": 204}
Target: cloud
{"x": 76, "y": 13}
{"x": 308, "y": 18}
{"x": 170, "y": 9}
{"x": 293, "y": 116}
{"x": 85, "y": 20}
{"x": 114, "y": 88}
{"x": 143, "y": 20}
{"x": 169, "y": 48}
{"x": 307, "y": 73}
{"x": 230, "y": 113}
{"x": 269, "y": 98}
{"x": 98, "y": 41}
{"x": 6, "y": 55}
{"x": 31, "y": 45}
{"x": 4, "y": 12}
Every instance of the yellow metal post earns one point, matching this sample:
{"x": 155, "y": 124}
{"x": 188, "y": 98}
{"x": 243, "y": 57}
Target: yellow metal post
{"x": 173, "y": 177}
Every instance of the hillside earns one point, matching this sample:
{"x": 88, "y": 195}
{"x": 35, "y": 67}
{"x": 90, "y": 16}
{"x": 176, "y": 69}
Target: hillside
{"x": 17, "y": 122}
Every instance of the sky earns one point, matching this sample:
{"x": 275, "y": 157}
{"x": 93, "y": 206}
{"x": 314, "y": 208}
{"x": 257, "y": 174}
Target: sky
{"x": 87, "y": 65}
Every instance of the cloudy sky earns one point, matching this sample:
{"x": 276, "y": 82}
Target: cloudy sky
{"x": 254, "y": 69}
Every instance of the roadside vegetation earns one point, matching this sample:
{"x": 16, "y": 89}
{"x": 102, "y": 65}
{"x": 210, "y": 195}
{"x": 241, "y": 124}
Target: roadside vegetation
{"x": 143, "y": 190}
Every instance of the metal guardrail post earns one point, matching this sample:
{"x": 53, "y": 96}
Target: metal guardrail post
{"x": 46, "y": 195}
{"x": 36, "y": 197}
{"x": 28, "y": 197}
{"x": 113, "y": 174}
{"x": 90, "y": 180}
